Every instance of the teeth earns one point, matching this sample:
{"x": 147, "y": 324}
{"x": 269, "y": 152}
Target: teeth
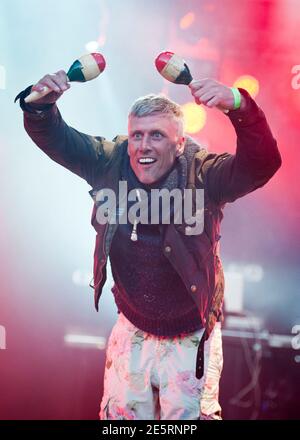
{"x": 146, "y": 160}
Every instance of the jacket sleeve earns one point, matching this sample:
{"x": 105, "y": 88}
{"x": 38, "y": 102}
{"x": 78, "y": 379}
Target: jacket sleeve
{"x": 80, "y": 153}
{"x": 257, "y": 158}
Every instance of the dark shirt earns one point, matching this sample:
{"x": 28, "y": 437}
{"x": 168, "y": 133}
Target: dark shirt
{"x": 148, "y": 290}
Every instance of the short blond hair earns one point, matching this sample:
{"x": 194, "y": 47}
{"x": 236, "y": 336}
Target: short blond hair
{"x": 158, "y": 104}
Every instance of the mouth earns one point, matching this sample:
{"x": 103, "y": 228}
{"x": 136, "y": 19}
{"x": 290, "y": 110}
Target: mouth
{"x": 146, "y": 161}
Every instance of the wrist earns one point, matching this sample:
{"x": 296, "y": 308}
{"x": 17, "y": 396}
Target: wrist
{"x": 248, "y": 114}
{"x": 39, "y": 107}
{"x": 31, "y": 107}
{"x": 240, "y": 100}
{"x": 237, "y": 97}
{"x": 243, "y": 103}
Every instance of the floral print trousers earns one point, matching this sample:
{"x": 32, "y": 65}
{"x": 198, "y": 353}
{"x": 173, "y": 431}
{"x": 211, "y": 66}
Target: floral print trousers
{"x": 150, "y": 377}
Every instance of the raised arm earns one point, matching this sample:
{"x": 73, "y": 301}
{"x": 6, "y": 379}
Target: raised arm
{"x": 80, "y": 153}
{"x": 257, "y": 158}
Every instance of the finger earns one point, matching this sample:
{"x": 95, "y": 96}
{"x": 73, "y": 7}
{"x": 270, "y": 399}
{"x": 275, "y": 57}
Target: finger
{"x": 58, "y": 82}
{"x": 46, "y": 81}
{"x": 196, "y": 84}
{"x": 208, "y": 88}
{"x": 200, "y": 83}
{"x": 213, "y": 102}
{"x": 39, "y": 87}
{"x": 63, "y": 79}
{"x": 205, "y": 97}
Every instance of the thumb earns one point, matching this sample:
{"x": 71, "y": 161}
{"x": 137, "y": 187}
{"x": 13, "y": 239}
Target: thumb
{"x": 190, "y": 85}
{"x": 38, "y": 88}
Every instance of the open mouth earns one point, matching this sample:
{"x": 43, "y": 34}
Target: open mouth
{"x": 146, "y": 160}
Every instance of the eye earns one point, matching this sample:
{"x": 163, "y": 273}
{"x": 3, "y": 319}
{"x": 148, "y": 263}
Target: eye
{"x": 137, "y": 135}
{"x": 157, "y": 135}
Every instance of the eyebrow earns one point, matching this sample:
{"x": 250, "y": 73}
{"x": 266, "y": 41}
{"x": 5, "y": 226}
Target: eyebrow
{"x": 157, "y": 130}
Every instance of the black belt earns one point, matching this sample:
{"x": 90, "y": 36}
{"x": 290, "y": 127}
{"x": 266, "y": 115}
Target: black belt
{"x": 200, "y": 357}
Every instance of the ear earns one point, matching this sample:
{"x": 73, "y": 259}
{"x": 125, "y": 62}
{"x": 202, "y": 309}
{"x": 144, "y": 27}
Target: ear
{"x": 180, "y": 146}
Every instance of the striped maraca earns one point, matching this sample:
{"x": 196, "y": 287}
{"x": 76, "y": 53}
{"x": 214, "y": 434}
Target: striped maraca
{"x": 174, "y": 69}
{"x": 84, "y": 69}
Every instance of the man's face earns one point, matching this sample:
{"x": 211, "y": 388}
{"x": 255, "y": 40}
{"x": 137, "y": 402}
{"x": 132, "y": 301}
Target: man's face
{"x": 153, "y": 145}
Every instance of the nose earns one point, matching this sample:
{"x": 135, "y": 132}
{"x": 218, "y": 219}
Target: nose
{"x": 144, "y": 145}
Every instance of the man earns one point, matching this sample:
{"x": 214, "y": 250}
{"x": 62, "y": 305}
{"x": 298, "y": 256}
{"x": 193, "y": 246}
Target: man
{"x": 164, "y": 355}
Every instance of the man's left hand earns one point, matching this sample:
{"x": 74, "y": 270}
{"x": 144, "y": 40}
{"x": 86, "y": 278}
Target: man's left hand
{"x": 214, "y": 94}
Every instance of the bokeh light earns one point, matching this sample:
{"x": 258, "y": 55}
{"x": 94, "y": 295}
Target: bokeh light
{"x": 249, "y": 83}
{"x": 194, "y": 117}
{"x": 187, "y": 20}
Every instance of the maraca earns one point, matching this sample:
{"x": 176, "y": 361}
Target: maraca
{"x": 174, "y": 69}
{"x": 84, "y": 69}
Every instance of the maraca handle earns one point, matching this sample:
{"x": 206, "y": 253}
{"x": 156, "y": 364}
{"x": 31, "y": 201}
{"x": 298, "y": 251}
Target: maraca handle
{"x": 34, "y": 96}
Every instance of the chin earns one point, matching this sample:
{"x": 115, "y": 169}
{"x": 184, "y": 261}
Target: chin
{"x": 147, "y": 180}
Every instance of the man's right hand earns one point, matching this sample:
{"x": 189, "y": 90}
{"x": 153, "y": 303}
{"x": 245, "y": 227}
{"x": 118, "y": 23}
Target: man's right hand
{"x": 56, "y": 82}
